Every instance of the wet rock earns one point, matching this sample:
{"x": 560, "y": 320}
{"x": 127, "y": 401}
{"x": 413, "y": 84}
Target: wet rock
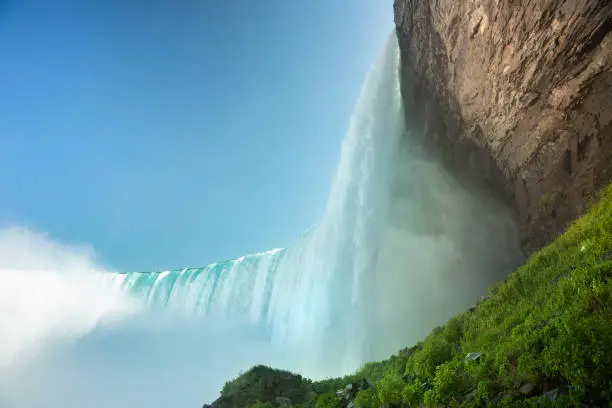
{"x": 475, "y": 356}
{"x": 515, "y": 98}
{"x": 556, "y": 393}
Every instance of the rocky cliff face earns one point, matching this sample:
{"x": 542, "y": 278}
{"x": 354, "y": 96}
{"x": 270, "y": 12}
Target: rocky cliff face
{"x": 515, "y": 95}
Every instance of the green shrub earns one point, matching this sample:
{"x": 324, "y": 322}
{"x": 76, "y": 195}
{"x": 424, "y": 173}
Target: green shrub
{"x": 436, "y": 350}
{"x": 328, "y": 400}
{"x": 450, "y": 380}
{"x": 366, "y": 399}
{"x": 389, "y": 389}
{"x": 412, "y": 393}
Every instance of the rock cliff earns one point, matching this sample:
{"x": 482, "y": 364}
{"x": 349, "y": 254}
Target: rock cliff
{"x": 515, "y": 95}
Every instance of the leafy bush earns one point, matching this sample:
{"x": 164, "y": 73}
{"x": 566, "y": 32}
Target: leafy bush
{"x": 328, "y": 400}
{"x": 366, "y": 399}
{"x": 389, "y": 389}
{"x": 412, "y": 393}
{"x": 262, "y": 385}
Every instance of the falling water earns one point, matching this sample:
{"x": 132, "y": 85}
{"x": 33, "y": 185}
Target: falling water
{"x": 309, "y": 295}
{"x": 399, "y": 249}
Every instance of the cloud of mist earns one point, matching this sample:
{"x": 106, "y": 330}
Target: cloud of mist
{"x": 139, "y": 363}
{"x": 70, "y": 340}
{"x": 442, "y": 249}
{"x": 49, "y": 291}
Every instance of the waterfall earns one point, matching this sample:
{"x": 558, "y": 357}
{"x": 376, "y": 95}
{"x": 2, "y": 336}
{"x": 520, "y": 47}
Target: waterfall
{"x": 307, "y": 296}
{"x": 399, "y": 249}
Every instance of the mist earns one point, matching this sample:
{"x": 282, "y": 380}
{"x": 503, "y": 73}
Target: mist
{"x": 49, "y": 291}
{"x": 442, "y": 249}
{"x": 71, "y": 340}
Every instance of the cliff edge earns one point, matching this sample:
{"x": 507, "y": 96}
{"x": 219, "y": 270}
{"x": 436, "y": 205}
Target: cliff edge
{"x": 515, "y": 95}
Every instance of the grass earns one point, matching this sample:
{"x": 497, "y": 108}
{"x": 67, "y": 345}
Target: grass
{"x": 548, "y": 326}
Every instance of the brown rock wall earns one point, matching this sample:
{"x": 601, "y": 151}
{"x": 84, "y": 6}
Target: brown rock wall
{"x": 515, "y": 96}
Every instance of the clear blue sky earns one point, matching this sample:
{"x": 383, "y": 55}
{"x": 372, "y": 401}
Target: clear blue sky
{"x": 177, "y": 133}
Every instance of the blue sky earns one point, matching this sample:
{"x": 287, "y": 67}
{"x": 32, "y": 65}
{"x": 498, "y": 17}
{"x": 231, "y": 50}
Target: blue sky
{"x": 177, "y": 133}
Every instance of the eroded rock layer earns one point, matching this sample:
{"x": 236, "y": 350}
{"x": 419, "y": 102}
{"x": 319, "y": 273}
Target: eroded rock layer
{"x": 515, "y": 95}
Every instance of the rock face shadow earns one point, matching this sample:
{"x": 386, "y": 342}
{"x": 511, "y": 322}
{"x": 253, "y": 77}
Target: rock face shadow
{"x": 515, "y": 99}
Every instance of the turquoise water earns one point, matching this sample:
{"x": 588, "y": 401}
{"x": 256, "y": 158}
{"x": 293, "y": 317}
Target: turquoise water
{"x": 307, "y": 297}
{"x": 241, "y": 286}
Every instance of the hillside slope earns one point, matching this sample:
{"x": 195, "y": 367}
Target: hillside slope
{"x": 542, "y": 335}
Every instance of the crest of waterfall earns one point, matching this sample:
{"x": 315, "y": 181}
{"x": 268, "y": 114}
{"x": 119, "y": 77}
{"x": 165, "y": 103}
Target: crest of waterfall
{"x": 309, "y": 294}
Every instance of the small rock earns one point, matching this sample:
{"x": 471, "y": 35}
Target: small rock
{"x": 607, "y": 256}
{"x": 554, "y": 394}
{"x": 527, "y": 388}
{"x": 473, "y": 356}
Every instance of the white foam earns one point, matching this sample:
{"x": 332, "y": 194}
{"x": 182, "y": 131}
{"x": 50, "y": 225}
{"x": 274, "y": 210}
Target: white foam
{"x": 48, "y": 291}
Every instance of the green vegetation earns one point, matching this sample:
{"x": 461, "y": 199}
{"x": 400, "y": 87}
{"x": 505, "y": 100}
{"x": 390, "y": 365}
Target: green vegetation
{"x": 548, "y": 326}
{"x": 264, "y": 387}
{"x": 548, "y": 200}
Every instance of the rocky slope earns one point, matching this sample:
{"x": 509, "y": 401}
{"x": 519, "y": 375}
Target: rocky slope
{"x": 517, "y": 91}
